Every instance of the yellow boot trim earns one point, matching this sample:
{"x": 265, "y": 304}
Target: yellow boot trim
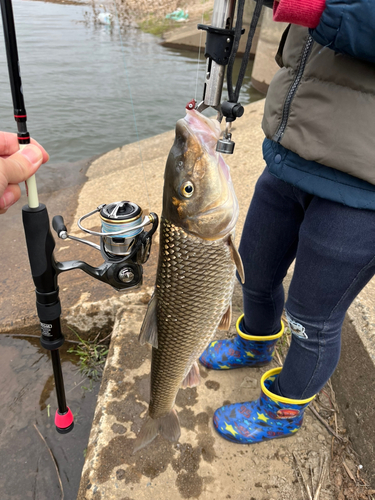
{"x": 275, "y": 397}
{"x": 259, "y": 338}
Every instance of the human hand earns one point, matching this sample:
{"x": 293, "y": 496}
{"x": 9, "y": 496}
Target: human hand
{"x": 17, "y": 166}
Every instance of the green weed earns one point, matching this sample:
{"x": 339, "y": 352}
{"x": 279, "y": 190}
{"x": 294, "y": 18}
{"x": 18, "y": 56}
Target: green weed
{"x": 207, "y": 16}
{"x": 92, "y": 357}
{"x": 156, "y": 26}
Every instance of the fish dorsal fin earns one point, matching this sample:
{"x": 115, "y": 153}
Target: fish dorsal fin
{"x": 226, "y": 319}
{"x": 149, "y": 328}
{"x": 236, "y": 257}
{"x": 193, "y": 378}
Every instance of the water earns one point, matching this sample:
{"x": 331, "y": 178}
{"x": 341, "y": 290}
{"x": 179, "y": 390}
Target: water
{"x": 28, "y": 403}
{"x": 83, "y": 91}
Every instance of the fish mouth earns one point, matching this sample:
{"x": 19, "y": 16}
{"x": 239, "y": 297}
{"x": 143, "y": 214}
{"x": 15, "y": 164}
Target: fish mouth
{"x": 206, "y": 130}
{"x": 201, "y": 123}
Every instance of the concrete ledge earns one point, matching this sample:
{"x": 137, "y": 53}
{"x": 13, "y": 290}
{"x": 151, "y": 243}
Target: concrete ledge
{"x": 189, "y": 38}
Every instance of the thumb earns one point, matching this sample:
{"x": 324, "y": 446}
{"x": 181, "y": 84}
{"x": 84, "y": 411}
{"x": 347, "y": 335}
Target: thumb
{"x": 21, "y": 165}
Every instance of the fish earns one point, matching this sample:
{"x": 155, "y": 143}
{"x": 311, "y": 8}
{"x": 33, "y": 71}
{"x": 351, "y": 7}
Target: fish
{"x": 196, "y": 269}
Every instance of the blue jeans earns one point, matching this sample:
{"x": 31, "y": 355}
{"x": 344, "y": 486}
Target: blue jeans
{"x": 334, "y": 250}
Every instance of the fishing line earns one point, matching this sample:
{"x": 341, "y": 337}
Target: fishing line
{"x": 131, "y": 101}
{"x": 199, "y": 57}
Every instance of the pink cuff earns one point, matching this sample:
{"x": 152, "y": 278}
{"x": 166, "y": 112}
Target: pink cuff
{"x": 303, "y": 12}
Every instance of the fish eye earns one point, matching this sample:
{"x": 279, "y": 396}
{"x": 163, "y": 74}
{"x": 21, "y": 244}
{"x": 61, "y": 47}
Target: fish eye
{"x": 187, "y": 189}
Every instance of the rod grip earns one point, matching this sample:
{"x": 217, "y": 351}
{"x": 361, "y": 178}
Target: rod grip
{"x": 40, "y": 245}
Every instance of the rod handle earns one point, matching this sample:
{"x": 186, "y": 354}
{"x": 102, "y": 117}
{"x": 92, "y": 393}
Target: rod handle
{"x": 31, "y": 188}
{"x": 59, "y": 225}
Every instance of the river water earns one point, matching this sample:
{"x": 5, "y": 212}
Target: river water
{"x": 86, "y": 91}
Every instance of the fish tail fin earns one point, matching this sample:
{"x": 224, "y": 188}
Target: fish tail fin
{"x": 168, "y": 426}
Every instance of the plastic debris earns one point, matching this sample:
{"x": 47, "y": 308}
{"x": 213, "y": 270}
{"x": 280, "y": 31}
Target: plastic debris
{"x": 178, "y": 15}
{"x": 105, "y": 18}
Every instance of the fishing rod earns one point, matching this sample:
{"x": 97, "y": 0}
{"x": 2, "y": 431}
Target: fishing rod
{"x": 125, "y": 245}
{"x": 221, "y": 49}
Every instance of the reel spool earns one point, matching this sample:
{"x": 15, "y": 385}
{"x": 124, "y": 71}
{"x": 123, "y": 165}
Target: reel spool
{"x": 120, "y": 216}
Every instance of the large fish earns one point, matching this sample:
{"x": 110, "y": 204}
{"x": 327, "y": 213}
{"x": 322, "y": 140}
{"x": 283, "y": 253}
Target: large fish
{"x": 196, "y": 269}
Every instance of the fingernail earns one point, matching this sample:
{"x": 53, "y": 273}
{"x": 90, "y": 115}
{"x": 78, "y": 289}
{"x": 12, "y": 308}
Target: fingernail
{"x": 33, "y": 154}
{"x": 7, "y": 200}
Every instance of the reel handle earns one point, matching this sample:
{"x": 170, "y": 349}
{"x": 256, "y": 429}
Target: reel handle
{"x": 59, "y": 226}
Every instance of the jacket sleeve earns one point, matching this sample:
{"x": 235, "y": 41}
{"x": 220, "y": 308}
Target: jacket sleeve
{"x": 303, "y": 12}
{"x": 348, "y": 27}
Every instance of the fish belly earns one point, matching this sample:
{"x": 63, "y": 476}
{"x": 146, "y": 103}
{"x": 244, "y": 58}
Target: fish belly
{"x": 194, "y": 287}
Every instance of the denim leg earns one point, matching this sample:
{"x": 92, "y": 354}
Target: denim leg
{"x": 268, "y": 247}
{"x": 335, "y": 259}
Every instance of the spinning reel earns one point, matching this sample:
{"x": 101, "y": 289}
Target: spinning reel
{"x": 124, "y": 244}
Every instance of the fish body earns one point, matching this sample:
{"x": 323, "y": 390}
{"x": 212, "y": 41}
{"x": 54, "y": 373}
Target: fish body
{"x": 196, "y": 268}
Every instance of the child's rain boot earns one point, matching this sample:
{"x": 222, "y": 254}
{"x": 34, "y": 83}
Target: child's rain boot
{"x": 242, "y": 350}
{"x": 268, "y": 417}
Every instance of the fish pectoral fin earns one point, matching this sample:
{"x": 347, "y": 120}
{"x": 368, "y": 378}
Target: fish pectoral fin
{"x": 149, "y": 328}
{"x": 193, "y": 378}
{"x": 168, "y": 426}
{"x": 236, "y": 257}
{"x": 226, "y": 319}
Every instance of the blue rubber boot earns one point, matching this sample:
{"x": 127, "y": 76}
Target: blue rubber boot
{"x": 268, "y": 417}
{"x": 242, "y": 350}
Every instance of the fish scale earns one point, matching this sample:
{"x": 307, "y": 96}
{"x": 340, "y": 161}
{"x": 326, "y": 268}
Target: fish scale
{"x": 194, "y": 287}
